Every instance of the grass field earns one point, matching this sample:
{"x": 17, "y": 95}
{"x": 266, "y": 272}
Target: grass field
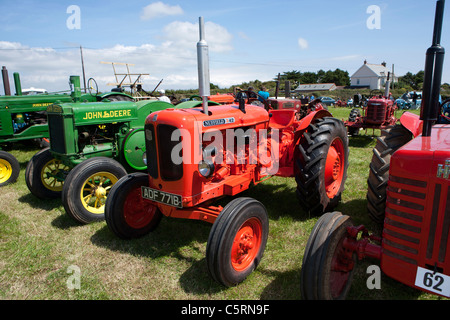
{"x": 41, "y": 248}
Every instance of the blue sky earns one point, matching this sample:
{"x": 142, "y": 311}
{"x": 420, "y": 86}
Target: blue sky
{"x": 247, "y": 40}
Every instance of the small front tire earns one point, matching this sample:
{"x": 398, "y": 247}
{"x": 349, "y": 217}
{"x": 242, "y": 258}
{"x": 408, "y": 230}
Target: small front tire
{"x": 87, "y": 187}
{"x": 9, "y": 168}
{"x": 127, "y": 214}
{"x": 237, "y": 241}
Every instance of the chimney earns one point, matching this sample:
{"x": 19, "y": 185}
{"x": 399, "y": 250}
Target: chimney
{"x": 365, "y": 61}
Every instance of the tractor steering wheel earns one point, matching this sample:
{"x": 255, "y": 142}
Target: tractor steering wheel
{"x": 90, "y": 84}
{"x": 252, "y": 100}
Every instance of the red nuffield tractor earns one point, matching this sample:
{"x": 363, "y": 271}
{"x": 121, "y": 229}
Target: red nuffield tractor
{"x": 414, "y": 194}
{"x": 379, "y": 113}
{"x": 196, "y": 156}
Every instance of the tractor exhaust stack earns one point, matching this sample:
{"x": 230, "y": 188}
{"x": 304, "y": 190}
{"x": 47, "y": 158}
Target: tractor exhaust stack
{"x": 434, "y": 62}
{"x": 6, "y": 81}
{"x": 203, "y": 66}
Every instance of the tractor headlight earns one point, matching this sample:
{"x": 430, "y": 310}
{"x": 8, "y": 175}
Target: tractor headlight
{"x": 206, "y": 168}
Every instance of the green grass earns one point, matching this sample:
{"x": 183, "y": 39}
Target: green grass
{"x": 39, "y": 243}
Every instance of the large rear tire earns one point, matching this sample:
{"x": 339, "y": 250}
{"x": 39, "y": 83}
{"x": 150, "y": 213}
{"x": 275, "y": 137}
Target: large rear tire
{"x": 327, "y": 270}
{"x": 127, "y": 214}
{"x": 87, "y": 187}
{"x": 237, "y": 241}
{"x": 391, "y": 140}
{"x": 9, "y": 168}
{"x": 321, "y": 165}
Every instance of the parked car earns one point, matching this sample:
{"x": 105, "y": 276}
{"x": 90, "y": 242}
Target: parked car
{"x": 327, "y": 101}
{"x": 406, "y": 100}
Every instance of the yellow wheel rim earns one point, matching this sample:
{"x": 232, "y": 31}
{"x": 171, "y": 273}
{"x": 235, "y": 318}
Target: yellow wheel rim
{"x": 95, "y": 190}
{"x": 53, "y": 174}
{"x": 5, "y": 170}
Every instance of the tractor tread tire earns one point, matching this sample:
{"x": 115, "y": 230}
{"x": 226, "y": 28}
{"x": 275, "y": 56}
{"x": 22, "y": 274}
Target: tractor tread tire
{"x": 391, "y": 140}
{"x": 310, "y": 165}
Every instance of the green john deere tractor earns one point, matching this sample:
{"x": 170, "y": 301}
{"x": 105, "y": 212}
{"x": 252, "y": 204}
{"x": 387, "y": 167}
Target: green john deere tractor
{"x": 92, "y": 145}
{"x": 23, "y": 117}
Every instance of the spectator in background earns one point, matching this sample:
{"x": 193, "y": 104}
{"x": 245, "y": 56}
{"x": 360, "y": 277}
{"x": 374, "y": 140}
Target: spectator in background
{"x": 263, "y": 94}
{"x": 163, "y": 96}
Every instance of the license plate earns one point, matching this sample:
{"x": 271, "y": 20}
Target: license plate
{"x": 170, "y": 199}
{"x": 433, "y": 281}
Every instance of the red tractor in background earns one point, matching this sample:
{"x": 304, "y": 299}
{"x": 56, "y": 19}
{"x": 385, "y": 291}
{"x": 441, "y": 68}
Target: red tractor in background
{"x": 409, "y": 189}
{"x": 199, "y": 155}
{"x": 379, "y": 113}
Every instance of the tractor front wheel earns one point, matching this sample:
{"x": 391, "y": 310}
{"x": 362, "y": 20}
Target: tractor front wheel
{"x": 237, "y": 241}
{"x": 45, "y": 175}
{"x": 9, "y": 168}
{"x": 127, "y": 214}
{"x": 327, "y": 267}
{"x": 321, "y": 165}
{"x": 87, "y": 186}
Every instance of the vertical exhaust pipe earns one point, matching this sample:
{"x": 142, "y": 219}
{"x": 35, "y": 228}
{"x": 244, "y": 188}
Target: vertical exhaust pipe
{"x": 203, "y": 67}
{"x": 17, "y": 84}
{"x": 6, "y": 81}
{"x": 434, "y": 62}
{"x": 387, "y": 86}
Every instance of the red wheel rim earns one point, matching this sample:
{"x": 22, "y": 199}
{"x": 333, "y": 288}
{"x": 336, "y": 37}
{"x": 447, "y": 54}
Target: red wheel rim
{"x": 341, "y": 267}
{"x": 334, "y": 168}
{"x": 137, "y": 212}
{"x": 246, "y": 244}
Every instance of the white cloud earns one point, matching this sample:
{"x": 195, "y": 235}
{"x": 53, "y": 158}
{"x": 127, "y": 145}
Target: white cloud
{"x": 174, "y": 60}
{"x": 185, "y": 35}
{"x": 302, "y": 43}
{"x": 159, "y": 9}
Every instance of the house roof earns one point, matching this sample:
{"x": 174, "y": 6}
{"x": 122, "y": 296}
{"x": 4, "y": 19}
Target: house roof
{"x": 377, "y": 70}
{"x": 316, "y": 87}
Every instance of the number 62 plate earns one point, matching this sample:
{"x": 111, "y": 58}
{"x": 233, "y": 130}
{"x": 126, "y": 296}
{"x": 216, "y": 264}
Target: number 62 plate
{"x": 433, "y": 281}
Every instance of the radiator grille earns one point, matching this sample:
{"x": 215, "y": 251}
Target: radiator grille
{"x": 376, "y": 112}
{"x": 412, "y": 232}
{"x": 56, "y": 127}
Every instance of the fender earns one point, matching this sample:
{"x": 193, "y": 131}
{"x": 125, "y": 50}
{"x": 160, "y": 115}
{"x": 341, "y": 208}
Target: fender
{"x": 412, "y": 123}
{"x": 105, "y": 95}
{"x": 306, "y": 121}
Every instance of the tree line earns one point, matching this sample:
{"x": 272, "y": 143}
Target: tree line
{"x": 409, "y": 81}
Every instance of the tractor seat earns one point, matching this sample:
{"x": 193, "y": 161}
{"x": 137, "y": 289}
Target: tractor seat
{"x": 280, "y": 119}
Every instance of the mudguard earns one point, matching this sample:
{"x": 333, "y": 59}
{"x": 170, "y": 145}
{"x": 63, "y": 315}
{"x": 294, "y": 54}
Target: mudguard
{"x": 412, "y": 123}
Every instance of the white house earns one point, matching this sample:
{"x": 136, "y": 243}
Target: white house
{"x": 372, "y": 76}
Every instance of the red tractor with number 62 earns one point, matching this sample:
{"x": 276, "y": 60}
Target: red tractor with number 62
{"x": 409, "y": 190}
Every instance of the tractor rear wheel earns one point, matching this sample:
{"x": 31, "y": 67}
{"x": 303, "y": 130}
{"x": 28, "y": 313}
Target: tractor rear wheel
{"x": 321, "y": 165}
{"x": 327, "y": 269}
{"x": 237, "y": 241}
{"x": 127, "y": 214}
{"x": 391, "y": 140}
{"x": 87, "y": 186}
{"x": 45, "y": 175}
{"x": 9, "y": 168}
